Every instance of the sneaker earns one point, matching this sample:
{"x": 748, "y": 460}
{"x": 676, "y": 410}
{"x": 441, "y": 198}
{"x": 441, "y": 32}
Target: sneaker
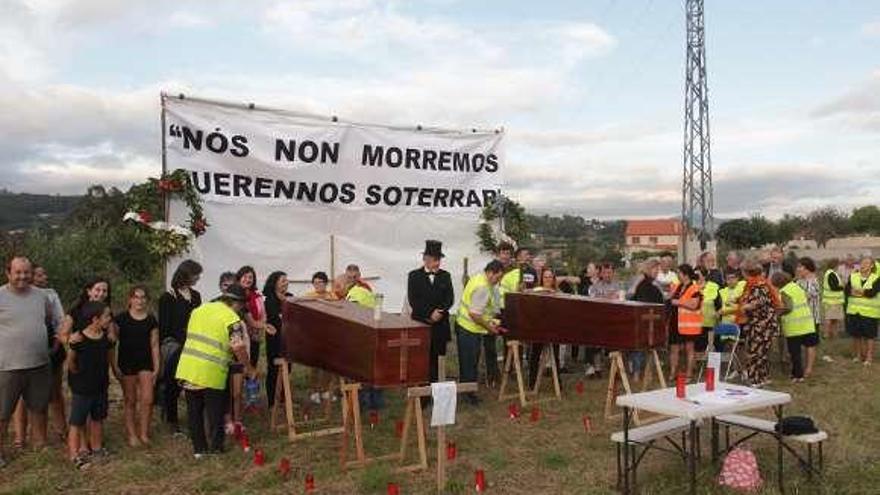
{"x": 81, "y": 461}
{"x": 827, "y": 359}
{"x": 198, "y": 456}
{"x": 315, "y": 398}
{"x": 590, "y": 370}
{"x": 857, "y": 359}
{"x": 867, "y": 364}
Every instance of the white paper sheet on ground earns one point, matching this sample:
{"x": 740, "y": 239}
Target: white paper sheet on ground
{"x": 445, "y": 395}
{"x": 714, "y": 362}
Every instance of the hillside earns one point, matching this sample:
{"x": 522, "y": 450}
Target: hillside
{"x": 22, "y": 210}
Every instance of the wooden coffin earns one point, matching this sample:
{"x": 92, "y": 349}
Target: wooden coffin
{"x": 567, "y": 319}
{"x": 343, "y": 338}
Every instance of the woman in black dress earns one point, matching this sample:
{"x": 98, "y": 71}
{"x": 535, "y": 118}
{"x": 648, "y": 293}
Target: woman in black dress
{"x": 275, "y": 292}
{"x": 138, "y": 358}
{"x": 175, "y": 306}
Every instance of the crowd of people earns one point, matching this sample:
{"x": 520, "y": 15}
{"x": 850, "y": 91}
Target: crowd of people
{"x": 209, "y": 350}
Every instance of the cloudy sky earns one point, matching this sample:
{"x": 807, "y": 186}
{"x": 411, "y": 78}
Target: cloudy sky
{"x": 590, "y": 91}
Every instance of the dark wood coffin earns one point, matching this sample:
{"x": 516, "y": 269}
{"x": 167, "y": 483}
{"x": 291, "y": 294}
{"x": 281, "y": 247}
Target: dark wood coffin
{"x": 567, "y": 319}
{"x": 343, "y": 338}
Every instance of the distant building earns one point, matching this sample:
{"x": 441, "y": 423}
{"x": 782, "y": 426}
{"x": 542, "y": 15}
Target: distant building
{"x": 652, "y": 236}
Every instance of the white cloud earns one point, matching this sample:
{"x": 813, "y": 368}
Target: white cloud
{"x": 188, "y": 19}
{"x": 871, "y": 29}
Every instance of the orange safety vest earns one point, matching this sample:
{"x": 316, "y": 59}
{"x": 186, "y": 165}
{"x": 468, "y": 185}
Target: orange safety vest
{"x": 690, "y": 321}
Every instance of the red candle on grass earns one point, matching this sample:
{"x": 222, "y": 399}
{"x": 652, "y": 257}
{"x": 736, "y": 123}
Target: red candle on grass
{"x": 579, "y": 388}
{"x": 284, "y": 467}
{"x": 245, "y": 443}
{"x": 374, "y": 418}
{"x": 513, "y": 411}
{"x": 480, "y": 480}
{"x": 398, "y": 428}
{"x": 259, "y": 457}
{"x": 588, "y": 425}
{"x": 451, "y": 451}
{"x": 310, "y": 483}
{"x": 536, "y": 414}
{"x": 393, "y": 489}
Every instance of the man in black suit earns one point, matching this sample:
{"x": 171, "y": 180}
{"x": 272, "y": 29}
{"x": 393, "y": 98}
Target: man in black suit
{"x": 430, "y": 295}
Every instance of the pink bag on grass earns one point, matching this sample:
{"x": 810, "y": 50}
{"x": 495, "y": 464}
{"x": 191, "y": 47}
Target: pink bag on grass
{"x": 740, "y": 471}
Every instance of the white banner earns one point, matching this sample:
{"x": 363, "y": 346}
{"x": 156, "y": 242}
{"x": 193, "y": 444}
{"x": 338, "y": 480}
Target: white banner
{"x": 276, "y": 185}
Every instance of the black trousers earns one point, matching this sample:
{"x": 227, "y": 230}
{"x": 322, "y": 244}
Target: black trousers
{"x": 490, "y": 350}
{"x": 204, "y": 409}
{"x": 468, "y": 354}
{"x": 438, "y": 348}
{"x": 534, "y": 358}
{"x": 273, "y": 351}
{"x": 794, "y": 345}
{"x": 171, "y": 392}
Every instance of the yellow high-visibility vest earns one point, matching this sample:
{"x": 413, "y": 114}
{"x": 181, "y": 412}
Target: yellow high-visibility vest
{"x": 509, "y": 283}
{"x": 830, "y": 297}
{"x": 710, "y": 293}
{"x": 729, "y": 299}
{"x": 206, "y": 354}
{"x": 362, "y": 296}
{"x": 864, "y": 306}
{"x": 798, "y": 321}
{"x": 464, "y": 317}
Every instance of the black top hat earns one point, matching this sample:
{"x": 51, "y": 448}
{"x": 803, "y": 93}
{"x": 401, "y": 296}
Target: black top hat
{"x": 434, "y": 248}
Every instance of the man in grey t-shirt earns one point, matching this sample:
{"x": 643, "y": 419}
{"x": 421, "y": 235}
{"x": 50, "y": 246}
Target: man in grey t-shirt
{"x": 24, "y": 356}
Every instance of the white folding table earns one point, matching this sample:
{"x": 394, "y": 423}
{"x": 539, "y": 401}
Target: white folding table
{"x": 696, "y": 406}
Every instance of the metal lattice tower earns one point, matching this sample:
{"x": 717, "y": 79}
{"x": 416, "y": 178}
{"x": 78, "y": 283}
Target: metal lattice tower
{"x": 696, "y": 193}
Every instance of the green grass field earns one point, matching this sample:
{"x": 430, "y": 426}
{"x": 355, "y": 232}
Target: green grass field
{"x": 553, "y": 456}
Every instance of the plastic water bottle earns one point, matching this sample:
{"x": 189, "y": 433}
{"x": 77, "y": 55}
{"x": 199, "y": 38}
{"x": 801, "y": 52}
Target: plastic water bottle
{"x": 377, "y": 309}
{"x": 251, "y": 392}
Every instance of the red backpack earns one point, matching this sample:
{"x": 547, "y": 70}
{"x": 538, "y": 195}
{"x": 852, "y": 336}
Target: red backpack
{"x": 740, "y": 471}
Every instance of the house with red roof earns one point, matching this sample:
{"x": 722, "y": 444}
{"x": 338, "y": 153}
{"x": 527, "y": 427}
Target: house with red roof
{"x": 652, "y": 235}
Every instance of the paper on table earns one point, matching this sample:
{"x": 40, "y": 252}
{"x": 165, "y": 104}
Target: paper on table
{"x": 721, "y": 397}
{"x": 445, "y": 395}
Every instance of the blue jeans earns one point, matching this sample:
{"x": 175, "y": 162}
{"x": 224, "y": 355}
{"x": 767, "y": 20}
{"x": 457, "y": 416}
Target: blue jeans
{"x": 468, "y": 354}
{"x": 371, "y": 398}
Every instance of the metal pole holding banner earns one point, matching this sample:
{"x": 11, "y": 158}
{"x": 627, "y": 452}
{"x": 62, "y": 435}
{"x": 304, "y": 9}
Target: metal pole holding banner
{"x": 167, "y": 204}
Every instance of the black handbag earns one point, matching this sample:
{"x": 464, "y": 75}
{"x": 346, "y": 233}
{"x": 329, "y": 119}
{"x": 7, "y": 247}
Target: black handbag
{"x": 796, "y": 425}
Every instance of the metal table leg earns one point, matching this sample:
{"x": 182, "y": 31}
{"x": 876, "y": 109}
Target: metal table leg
{"x": 626, "y": 457}
{"x": 778, "y": 434}
{"x": 692, "y": 458}
{"x": 714, "y": 441}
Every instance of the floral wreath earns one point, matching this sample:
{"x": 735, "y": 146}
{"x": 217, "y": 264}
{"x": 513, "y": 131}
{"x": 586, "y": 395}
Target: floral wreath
{"x": 146, "y": 202}
{"x": 515, "y": 226}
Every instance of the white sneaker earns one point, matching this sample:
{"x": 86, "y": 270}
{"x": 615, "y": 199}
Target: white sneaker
{"x": 827, "y": 359}
{"x": 315, "y": 398}
{"x": 590, "y": 370}
{"x": 198, "y": 457}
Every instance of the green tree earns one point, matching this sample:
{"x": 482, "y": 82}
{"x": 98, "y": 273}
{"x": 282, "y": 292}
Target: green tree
{"x": 826, "y": 223}
{"x": 865, "y": 220}
{"x": 788, "y": 227}
{"x": 743, "y": 233}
